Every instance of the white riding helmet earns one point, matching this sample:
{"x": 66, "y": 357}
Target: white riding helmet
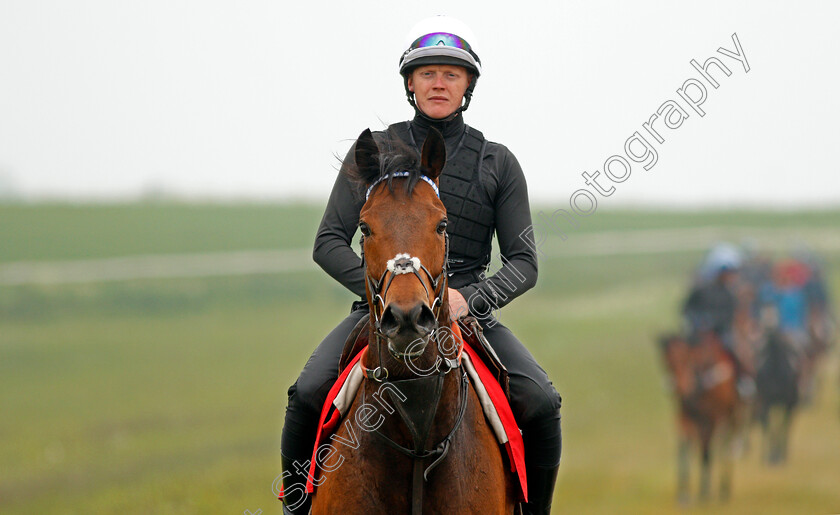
{"x": 440, "y": 40}
{"x": 721, "y": 258}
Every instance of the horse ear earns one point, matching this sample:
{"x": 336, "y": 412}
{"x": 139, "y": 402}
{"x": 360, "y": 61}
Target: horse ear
{"x": 433, "y": 156}
{"x": 366, "y": 157}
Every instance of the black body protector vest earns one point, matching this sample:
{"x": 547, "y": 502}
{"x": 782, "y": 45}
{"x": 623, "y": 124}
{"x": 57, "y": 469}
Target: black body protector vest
{"x": 469, "y": 208}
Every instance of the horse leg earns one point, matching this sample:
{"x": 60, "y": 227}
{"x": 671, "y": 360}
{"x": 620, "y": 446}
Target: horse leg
{"x": 806, "y": 382}
{"x": 705, "y": 462}
{"x": 727, "y": 458}
{"x": 705, "y": 472}
{"x": 687, "y": 435}
{"x": 778, "y": 434}
{"x": 766, "y": 444}
{"x": 745, "y": 415}
{"x": 785, "y": 433}
{"x": 683, "y": 463}
{"x": 772, "y": 430}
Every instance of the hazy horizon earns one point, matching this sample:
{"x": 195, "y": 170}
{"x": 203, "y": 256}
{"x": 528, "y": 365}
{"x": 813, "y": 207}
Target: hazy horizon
{"x": 220, "y": 100}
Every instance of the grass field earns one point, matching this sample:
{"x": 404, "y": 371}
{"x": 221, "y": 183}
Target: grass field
{"x": 166, "y": 396}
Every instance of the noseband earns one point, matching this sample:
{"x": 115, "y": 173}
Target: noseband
{"x": 405, "y": 264}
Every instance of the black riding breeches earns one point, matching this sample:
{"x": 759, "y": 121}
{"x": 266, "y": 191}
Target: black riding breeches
{"x": 534, "y": 401}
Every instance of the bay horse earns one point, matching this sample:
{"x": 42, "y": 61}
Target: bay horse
{"x": 703, "y": 379}
{"x": 418, "y": 438}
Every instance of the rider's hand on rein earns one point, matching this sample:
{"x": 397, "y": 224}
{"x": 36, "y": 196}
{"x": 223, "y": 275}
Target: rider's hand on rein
{"x": 457, "y": 305}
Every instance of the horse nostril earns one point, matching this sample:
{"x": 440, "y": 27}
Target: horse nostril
{"x": 420, "y": 319}
{"x": 390, "y": 323}
{"x": 424, "y": 319}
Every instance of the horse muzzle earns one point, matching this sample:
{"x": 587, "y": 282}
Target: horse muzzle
{"x": 407, "y": 331}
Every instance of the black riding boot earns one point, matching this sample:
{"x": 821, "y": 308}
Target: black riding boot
{"x": 295, "y": 499}
{"x": 296, "y": 445}
{"x": 540, "y": 490}
{"x": 543, "y": 444}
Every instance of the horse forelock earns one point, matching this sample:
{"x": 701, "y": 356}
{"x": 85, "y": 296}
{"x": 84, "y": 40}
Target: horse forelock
{"x": 397, "y": 157}
{"x": 404, "y": 225}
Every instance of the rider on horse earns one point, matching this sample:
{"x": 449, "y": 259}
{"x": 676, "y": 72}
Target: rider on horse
{"x": 484, "y": 191}
{"x": 712, "y": 303}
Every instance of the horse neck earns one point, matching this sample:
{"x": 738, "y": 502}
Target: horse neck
{"x": 677, "y": 360}
{"x": 775, "y": 357}
{"x": 684, "y": 379}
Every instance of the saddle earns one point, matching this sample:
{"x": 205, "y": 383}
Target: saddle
{"x": 470, "y": 330}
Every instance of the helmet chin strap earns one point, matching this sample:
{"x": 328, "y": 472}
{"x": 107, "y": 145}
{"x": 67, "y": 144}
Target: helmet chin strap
{"x": 467, "y": 97}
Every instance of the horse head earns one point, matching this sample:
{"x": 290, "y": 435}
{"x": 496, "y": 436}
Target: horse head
{"x": 676, "y": 353}
{"x": 404, "y": 247}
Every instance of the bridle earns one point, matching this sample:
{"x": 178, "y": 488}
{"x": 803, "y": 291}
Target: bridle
{"x": 417, "y": 418}
{"x": 402, "y": 264}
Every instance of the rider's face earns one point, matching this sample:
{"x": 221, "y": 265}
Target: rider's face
{"x": 438, "y": 89}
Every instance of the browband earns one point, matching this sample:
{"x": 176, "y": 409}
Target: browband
{"x": 401, "y": 174}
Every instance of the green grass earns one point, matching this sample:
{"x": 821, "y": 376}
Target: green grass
{"x": 69, "y": 231}
{"x": 629, "y": 219}
{"x": 167, "y": 396}
{"x": 140, "y": 414}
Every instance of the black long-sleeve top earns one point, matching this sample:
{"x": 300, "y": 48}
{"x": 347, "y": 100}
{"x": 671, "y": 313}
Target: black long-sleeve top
{"x": 507, "y": 194}
{"x": 711, "y": 307}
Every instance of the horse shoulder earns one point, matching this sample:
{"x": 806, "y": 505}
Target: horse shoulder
{"x": 346, "y": 485}
{"x": 474, "y": 478}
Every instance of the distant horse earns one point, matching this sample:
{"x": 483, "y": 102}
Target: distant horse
{"x": 777, "y": 383}
{"x": 745, "y": 327}
{"x": 820, "y": 338}
{"x": 425, "y": 445}
{"x": 821, "y": 329}
{"x": 703, "y": 378}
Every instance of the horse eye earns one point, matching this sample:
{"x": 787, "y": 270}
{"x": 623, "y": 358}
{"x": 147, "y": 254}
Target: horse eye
{"x": 364, "y": 228}
{"x": 441, "y": 227}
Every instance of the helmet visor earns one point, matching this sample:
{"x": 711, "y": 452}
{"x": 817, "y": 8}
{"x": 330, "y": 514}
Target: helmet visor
{"x": 440, "y": 39}
{"x": 443, "y": 45}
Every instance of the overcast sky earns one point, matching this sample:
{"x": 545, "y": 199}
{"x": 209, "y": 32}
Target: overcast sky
{"x": 209, "y": 98}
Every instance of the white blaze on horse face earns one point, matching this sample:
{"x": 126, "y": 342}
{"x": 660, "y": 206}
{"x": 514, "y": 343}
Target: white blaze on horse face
{"x": 403, "y": 264}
